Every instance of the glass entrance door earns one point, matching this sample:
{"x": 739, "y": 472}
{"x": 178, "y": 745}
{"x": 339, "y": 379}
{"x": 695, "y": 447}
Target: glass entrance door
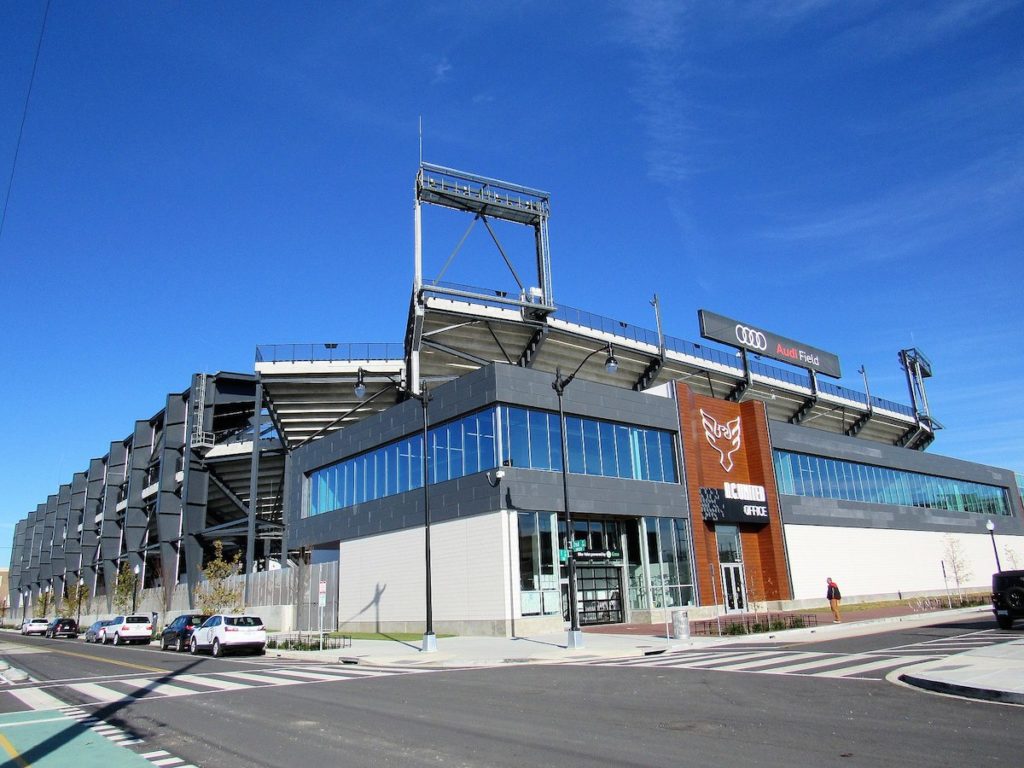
{"x": 733, "y": 591}
{"x": 598, "y": 594}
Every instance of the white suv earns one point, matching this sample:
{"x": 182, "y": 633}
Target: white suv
{"x": 222, "y": 633}
{"x": 134, "y": 628}
{"x": 34, "y": 626}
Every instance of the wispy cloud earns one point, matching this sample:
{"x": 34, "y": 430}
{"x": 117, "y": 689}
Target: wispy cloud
{"x": 654, "y": 30}
{"x": 918, "y": 216}
{"x": 441, "y": 70}
{"x": 903, "y": 28}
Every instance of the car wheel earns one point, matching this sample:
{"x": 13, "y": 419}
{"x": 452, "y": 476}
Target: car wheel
{"x": 217, "y": 650}
{"x": 117, "y": 639}
{"x": 1015, "y": 598}
{"x": 178, "y": 645}
{"x": 193, "y": 648}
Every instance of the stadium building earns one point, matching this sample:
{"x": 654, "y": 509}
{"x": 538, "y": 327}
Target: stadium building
{"x": 719, "y": 474}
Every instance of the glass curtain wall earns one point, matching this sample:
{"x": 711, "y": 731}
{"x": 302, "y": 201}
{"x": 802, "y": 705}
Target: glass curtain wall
{"x": 800, "y": 474}
{"x": 668, "y": 551}
{"x": 531, "y": 439}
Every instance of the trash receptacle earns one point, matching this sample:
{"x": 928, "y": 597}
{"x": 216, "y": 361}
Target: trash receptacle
{"x": 680, "y": 625}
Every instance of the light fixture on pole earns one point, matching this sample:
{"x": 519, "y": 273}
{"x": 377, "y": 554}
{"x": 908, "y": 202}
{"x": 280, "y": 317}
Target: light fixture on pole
{"x": 135, "y": 585}
{"x": 429, "y": 638}
{"x": 81, "y": 585}
{"x": 575, "y": 639}
{"x": 995, "y": 550}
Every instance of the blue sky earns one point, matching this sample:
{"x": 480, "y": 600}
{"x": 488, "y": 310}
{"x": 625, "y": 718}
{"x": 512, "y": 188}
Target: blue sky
{"x": 195, "y": 179}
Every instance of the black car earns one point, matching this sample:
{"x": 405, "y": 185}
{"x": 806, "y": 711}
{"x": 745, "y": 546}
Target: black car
{"x": 1008, "y": 597}
{"x": 62, "y": 628}
{"x": 179, "y": 632}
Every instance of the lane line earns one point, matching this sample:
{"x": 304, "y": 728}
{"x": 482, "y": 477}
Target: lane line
{"x": 129, "y": 665}
{"x": 12, "y": 752}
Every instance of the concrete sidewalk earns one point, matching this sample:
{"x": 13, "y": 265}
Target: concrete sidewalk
{"x": 995, "y": 673}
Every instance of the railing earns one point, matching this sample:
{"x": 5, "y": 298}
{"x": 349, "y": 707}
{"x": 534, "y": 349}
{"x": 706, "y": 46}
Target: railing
{"x": 501, "y": 298}
{"x": 752, "y": 623}
{"x": 347, "y": 352}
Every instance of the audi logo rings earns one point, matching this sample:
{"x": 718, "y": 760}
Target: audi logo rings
{"x": 749, "y": 337}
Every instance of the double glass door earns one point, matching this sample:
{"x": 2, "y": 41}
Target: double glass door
{"x": 730, "y": 556}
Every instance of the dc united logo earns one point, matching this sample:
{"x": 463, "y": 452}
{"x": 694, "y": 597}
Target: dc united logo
{"x": 724, "y": 438}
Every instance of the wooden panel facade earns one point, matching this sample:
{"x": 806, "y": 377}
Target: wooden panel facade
{"x": 713, "y": 458}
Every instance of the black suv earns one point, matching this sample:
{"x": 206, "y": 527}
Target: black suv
{"x": 1008, "y": 597}
{"x": 60, "y": 626}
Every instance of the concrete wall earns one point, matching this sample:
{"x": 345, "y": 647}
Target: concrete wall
{"x": 878, "y": 563}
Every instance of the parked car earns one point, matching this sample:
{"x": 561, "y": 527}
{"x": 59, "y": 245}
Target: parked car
{"x": 1008, "y": 597}
{"x": 179, "y": 632}
{"x": 62, "y": 627}
{"x": 222, "y": 633}
{"x": 95, "y": 633}
{"x": 34, "y": 626}
{"x": 134, "y": 628}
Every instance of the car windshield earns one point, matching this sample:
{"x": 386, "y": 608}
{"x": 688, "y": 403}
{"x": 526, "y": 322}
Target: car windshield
{"x": 243, "y": 621}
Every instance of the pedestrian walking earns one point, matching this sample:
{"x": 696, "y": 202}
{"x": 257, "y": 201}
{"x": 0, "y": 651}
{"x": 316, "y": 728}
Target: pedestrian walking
{"x": 833, "y": 596}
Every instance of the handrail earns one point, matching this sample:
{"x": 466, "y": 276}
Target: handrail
{"x": 330, "y": 351}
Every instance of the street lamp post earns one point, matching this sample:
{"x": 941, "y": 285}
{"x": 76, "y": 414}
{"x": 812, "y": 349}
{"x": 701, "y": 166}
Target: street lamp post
{"x": 992, "y": 532}
{"x": 24, "y": 603}
{"x": 135, "y": 585}
{"x": 429, "y": 638}
{"x": 575, "y": 639}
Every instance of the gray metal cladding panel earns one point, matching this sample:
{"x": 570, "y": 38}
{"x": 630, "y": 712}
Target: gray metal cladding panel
{"x": 464, "y": 497}
{"x": 535, "y": 490}
{"x": 805, "y": 510}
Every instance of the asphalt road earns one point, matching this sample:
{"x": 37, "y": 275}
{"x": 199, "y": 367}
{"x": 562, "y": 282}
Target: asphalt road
{"x": 582, "y": 715}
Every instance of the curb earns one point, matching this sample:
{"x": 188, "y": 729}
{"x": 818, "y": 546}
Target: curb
{"x": 970, "y": 692}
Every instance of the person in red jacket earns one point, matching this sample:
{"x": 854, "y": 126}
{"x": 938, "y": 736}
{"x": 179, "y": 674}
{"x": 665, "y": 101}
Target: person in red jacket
{"x": 833, "y": 596}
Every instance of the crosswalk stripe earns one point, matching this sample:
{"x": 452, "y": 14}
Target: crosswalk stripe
{"x": 354, "y": 671}
{"x": 212, "y": 682}
{"x": 814, "y": 663}
{"x": 144, "y": 685}
{"x": 873, "y": 665}
{"x": 37, "y": 699}
{"x": 307, "y": 675}
{"x": 266, "y": 679}
{"x": 767, "y": 660}
{"x": 710, "y": 662}
{"x": 98, "y": 692}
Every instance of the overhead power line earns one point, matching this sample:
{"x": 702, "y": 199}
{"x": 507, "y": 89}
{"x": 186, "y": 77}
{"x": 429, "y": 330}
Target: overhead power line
{"x": 24, "y": 115}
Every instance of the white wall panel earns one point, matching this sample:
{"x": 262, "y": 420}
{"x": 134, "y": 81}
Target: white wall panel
{"x": 869, "y": 561}
{"x": 383, "y": 577}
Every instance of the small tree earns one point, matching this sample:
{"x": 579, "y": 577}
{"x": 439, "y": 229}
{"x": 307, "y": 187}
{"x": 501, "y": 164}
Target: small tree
{"x": 76, "y": 597}
{"x": 124, "y": 590}
{"x": 1010, "y": 556}
{"x": 218, "y": 595}
{"x": 44, "y": 602}
{"x": 953, "y": 553}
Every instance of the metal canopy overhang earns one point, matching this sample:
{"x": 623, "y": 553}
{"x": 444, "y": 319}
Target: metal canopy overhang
{"x": 481, "y": 330}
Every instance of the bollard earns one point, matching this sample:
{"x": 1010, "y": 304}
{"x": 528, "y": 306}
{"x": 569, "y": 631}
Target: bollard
{"x": 680, "y": 625}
